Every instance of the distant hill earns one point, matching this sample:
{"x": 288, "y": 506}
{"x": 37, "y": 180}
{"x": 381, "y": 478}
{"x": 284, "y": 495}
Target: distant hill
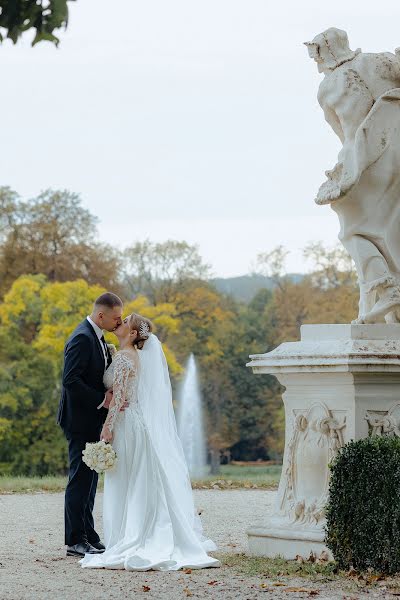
{"x": 245, "y": 287}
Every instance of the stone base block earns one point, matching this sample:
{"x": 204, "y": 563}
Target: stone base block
{"x": 342, "y": 383}
{"x": 285, "y": 542}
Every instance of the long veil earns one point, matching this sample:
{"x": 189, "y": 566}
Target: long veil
{"x": 155, "y": 400}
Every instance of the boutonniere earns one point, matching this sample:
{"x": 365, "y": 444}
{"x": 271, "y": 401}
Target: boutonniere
{"x": 112, "y": 349}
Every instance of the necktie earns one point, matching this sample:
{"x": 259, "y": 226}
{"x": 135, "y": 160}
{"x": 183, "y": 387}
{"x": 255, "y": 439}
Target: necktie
{"x": 103, "y": 341}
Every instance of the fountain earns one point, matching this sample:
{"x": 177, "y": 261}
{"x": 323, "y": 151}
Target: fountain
{"x": 190, "y": 421}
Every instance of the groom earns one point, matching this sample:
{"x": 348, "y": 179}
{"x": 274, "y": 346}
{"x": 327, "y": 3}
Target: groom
{"x": 86, "y": 357}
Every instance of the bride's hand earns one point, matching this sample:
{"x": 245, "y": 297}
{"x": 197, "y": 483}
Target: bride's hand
{"x": 106, "y": 435}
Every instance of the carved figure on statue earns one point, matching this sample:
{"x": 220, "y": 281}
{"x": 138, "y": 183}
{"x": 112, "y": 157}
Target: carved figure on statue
{"x": 360, "y": 97}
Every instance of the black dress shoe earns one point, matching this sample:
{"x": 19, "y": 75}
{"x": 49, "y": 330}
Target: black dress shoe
{"x": 98, "y": 545}
{"x": 81, "y": 549}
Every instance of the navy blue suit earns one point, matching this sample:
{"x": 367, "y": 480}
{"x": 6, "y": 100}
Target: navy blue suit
{"x": 78, "y": 415}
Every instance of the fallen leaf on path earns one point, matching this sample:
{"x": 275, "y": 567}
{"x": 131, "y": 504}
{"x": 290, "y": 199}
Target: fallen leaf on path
{"x": 146, "y": 588}
{"x": 278, "y": 583}
{"x": 187, "y": 571}
{"x": 324, "y": 556}
{"x": 312, "y": 557}
{"x": 187, "y": 592}
{"x": 212, "y": 582}
{"x": 374, "y": 578}
{"x": 31, "y": 541}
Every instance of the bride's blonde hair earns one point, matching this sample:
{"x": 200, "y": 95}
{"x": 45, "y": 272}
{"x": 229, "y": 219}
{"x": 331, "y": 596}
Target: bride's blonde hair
{"x": 143, "y": 326}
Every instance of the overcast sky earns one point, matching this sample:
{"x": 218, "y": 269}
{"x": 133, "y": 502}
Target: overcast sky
{"x": 185, "y": 119}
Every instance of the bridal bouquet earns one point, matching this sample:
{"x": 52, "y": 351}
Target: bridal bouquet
{"x": 99, "y": 456}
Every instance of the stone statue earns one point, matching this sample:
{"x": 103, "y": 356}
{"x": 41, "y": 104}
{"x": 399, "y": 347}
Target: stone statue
{"x": 360, "y": 97}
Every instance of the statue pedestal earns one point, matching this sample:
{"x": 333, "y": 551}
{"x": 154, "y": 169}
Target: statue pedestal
{"x": 342, "y": 383}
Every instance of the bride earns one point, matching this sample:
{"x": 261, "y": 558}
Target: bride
{"x": 148, "y": 512}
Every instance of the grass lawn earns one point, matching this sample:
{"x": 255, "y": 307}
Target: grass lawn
{"x": 281, "y": 573}
{"x": 235, "y": 476}
{"x": 278, "y": 567}
{"x": 231, "y": 477}
{"x": 28, "y": 485}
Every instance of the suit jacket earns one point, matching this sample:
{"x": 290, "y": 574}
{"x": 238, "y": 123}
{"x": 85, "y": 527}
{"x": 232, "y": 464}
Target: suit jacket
{"x": 82, "y": 384}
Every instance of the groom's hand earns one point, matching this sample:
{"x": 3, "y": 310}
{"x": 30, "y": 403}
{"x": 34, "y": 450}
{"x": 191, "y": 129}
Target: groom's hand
{"x": 107, "y": 401}
{"x": 108, "y": 398}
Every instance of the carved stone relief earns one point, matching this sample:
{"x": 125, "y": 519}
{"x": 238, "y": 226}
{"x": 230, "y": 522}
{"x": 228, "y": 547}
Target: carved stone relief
{"x": 315, "y": 440}
{"x": 384, "y": 422}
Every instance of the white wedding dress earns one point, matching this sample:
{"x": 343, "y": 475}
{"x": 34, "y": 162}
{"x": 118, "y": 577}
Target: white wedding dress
{"x": 148, "y": 512}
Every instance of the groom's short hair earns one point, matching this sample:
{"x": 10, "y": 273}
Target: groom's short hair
{"x": 108, "y": 300}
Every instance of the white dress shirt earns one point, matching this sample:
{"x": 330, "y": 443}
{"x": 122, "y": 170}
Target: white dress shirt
{"x": 99, "y": 333}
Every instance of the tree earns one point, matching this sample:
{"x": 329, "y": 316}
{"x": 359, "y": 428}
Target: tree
{"x": 243, "y": 412}
{"x": 36, "y": 318}
{"x": 327, "y": 295}
{"x": 21, "y": 310}
{"x": 333, "y": 281}
{"x": 257, "y": 409}
{"x": 273, "y": 264}
{"x": 332, "y": 267}
{"x": 63, "y": 305}
{"x": 166, "y": 324}
{"x": 53, "y": 235}
{"x": 45, "y": 16}
{"x": 159, "y": 270}
{"x": 8, "y": 212}
{"x": 287, "y": 312}
{"x": 30, "y": 441}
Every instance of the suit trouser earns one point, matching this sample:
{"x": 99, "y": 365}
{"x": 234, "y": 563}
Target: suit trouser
{"x": 79, "y": 496}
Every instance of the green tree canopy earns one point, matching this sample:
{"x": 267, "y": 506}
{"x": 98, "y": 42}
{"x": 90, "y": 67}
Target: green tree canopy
{"x": 44, "y": 16}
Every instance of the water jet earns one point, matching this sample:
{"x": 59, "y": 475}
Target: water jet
{"x": 190, "y": 421}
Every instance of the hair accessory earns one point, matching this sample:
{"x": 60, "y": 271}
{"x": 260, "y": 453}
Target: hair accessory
{"x": 144, "y": 330}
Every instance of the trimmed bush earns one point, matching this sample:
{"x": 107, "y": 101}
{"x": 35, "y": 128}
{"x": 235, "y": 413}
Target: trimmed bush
{"x": 363, "y": 512}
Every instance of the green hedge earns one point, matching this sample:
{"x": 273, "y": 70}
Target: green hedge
{"x": 363, "y": 512}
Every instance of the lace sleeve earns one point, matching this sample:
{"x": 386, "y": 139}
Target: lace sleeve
{"x": 123, "y": 368}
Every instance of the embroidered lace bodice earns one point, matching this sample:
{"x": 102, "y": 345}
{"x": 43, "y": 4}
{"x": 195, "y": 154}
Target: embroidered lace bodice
{"x": 121, "y": 376}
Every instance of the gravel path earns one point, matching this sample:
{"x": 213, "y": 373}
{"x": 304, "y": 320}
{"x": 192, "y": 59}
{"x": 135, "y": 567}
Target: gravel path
{"x": 33, "y": 564}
